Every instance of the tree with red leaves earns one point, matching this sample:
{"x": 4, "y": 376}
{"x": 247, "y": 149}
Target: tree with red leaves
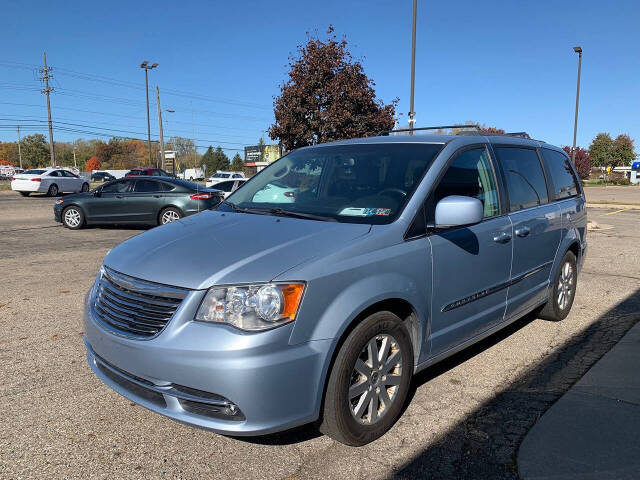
{"x": 93, "y": 164}
{"x": 327, "y": 97}
{"x": 583, "y": 161}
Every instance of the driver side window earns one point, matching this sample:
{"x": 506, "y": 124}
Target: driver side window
{"x": 470, "y": 175}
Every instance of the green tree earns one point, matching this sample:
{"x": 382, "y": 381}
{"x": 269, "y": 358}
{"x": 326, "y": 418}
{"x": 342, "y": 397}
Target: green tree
{"x": 35, "y": 151}
{"x": 209, "y": 160}
{"x": 221, "y": 159}
{"x": 327, "y": 97}
{"x": 237, "y": 165}
{"x": 622, "y": 151}
{"x": 600, "y": 150}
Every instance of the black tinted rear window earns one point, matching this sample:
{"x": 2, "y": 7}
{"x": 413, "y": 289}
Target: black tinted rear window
{"x": 526, "y": 185}
{"x": 564, "y": 182}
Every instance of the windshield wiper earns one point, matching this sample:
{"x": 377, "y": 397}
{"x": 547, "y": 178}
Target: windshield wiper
{"x": 289, "y": 213}
{"x": 279, "y": 212}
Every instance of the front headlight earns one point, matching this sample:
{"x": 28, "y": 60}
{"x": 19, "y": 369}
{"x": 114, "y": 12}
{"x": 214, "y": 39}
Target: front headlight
{"x": 252, "y": 307}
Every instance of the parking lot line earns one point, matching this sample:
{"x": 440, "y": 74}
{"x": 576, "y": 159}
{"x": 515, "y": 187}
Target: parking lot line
{"x": 617, "y": 211}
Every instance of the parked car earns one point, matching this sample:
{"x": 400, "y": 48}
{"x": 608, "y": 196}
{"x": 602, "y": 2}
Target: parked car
{"x": 395, "y": 253}
{"x": 138, "y": 200}
{"x": 150, "y": 172}
{"x": 51, "y": 181}
{"x": 220, "y": 176}
{"x": 102, "y": 177}
{"x": 193, "y": 174}
{"x": 230, "y": 186}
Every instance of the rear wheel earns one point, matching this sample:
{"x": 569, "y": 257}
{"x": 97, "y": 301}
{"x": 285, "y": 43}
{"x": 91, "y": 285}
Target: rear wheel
{"x": 169, "y": 215}
{"x": 369, "y": 382}
{"x": 563, "y": 291}
{"x": 72, "y": 217}
{"x": 53, "y": 190}
{"x": 24, "y": 194}
{"x": 85, "y": 187}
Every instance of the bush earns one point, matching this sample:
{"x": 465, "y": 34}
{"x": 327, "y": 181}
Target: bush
{"x": 583, "y": 161}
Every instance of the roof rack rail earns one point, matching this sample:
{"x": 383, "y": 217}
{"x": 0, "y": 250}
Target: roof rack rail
{"x": 518, "y": 134}
{"x": 442, "y": 127}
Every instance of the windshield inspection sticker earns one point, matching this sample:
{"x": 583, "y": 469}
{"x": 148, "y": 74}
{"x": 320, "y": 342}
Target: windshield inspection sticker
{"x": 365, "y": 212}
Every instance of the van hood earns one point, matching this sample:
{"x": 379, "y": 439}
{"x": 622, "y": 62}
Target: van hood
{"x": 214, "y": 248}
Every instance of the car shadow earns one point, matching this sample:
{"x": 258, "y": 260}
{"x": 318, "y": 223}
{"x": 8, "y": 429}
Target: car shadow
{"x": 485, "y": 443}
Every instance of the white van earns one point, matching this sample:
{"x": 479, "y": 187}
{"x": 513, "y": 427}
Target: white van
{"x": 193, "y": 174}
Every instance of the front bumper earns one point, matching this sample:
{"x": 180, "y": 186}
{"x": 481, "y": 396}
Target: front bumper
{"x": 57, "y": 213}
{"x": 251, "y": 383}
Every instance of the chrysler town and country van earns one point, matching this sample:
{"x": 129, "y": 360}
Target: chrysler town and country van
{"x": 315, "y": 291}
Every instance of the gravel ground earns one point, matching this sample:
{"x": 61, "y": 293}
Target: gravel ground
{"x": 466, "y": 418}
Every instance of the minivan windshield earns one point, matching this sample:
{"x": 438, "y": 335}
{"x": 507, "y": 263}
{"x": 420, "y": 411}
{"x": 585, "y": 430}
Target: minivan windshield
{"x": 357, "y": 183}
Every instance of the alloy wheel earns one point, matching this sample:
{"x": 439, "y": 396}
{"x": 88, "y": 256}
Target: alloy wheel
{"x": 375, "y": 379}
{"x": 169, "y": 216}
{"x": 72, "y": 217}
{"x": 565, "y": 285}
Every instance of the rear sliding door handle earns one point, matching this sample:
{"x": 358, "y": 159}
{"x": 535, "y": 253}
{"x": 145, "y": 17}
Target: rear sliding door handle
{"x": 502, "y": 237}
{"x": 523, "y": 231}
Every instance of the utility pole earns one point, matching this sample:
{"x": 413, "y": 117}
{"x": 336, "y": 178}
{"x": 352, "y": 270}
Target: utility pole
{"x": 75, "y": 165}
{"x": 46, "y": 76}
{"x": 148, "y": 67}
{"x": 578, "y": 50}
{"x": 19, "y": 150}
{"x": 412, "y": 114}
{"x": 160, "y": 127}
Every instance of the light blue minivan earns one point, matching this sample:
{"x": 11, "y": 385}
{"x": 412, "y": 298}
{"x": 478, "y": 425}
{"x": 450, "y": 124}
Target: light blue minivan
{"x": 379, "y": 257}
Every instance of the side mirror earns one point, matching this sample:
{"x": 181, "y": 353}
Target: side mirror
{"x": 458, "y": 211}
{"x": 97, "y": 193}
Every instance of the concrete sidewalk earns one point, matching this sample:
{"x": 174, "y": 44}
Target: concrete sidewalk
{"x": 593, "y": 431}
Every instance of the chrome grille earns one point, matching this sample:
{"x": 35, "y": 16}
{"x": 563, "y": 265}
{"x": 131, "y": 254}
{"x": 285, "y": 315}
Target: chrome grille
{"x": 132, "y": 307}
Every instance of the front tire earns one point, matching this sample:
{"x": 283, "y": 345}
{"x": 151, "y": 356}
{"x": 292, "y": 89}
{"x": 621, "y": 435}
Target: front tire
{"x": 168, "y": 215}
{"x": 73, "y": 218}
{"x": 563, "y": 291}
{"x": 369, "y": 381}
{"x": 53, "y": 190}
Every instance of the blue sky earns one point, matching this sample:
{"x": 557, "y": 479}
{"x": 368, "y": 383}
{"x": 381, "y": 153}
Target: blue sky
{"x": 508, "y": 64}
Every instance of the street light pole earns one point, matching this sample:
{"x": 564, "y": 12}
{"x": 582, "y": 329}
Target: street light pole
{"x": 412, "y": 114}
{"x": 160, "y": 128}
{"x": 578, "y": 50}
{"x": 148, "y": 67}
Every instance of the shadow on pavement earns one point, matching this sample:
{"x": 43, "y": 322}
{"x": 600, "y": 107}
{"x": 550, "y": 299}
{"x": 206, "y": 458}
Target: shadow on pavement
{"x": 485, "y": 443}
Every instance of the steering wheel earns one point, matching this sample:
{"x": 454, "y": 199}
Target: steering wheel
{"x": 393, "y": 190}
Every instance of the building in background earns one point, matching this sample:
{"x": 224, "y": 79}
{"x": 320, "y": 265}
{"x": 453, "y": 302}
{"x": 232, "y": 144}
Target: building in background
{"x": 259, "y": 156}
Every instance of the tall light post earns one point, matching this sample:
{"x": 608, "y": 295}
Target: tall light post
{"x": 412, "y": 114}
{"x": 145, "y": 65}
{"x": 578, "y": 50}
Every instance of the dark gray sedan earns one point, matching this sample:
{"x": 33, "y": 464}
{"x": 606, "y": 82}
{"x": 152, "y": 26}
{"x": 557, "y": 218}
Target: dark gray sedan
{"x": 139, "y": 200}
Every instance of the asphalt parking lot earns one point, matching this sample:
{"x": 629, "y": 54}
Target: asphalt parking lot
{"x": 466, "y": 419}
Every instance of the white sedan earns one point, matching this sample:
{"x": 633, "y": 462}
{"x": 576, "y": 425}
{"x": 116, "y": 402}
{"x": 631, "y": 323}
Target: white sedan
{"x": 230, "y": 186}
{"x": 51, "y": 181}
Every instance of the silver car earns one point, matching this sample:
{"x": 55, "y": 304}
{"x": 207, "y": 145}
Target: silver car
{"x": 390, "y": 254}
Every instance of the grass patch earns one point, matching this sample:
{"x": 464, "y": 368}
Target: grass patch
{"x": 5, "y": 186}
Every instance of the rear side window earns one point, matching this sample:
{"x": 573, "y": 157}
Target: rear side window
{"x": 565, "y": 184}
{"x": 470, "y": 175}
{"x": 117, "y": 187}
{"x": 523, "y": 173}
{"x": 145, "y": 186}
{"x": 55, "y": 173}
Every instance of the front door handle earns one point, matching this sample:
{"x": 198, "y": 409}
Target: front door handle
{"x": 502, "y": 237}
{"x": 523, "y": 231}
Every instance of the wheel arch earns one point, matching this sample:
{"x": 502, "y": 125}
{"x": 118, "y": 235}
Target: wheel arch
{"x": 400, "y": 307}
